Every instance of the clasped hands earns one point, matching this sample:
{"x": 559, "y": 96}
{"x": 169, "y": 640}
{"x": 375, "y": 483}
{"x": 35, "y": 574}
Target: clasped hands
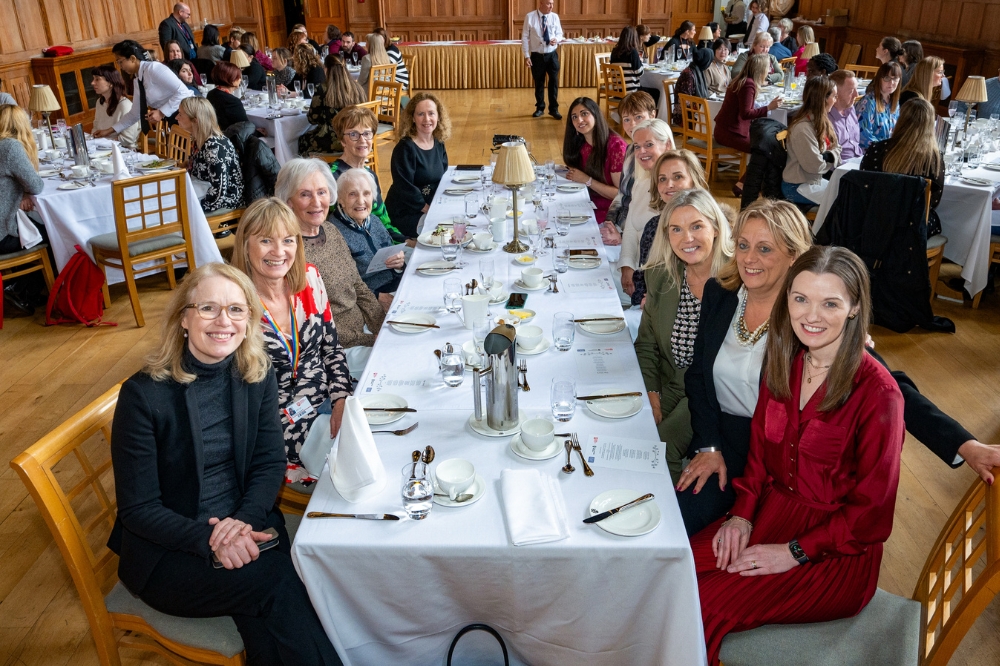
{"x": 235, "y": 542}
{"x": 729, "y": 545}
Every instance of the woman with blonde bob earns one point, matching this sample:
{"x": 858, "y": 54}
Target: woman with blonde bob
{"x": 691, "y": 245}
{"x": 198, "y": 459}
{"x": 300, "y": 335}
{"x": 213, "y": 160}
{"x": 18, "y": 173}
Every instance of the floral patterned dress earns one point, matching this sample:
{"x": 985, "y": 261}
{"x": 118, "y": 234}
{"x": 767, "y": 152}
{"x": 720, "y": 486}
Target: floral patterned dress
{"x": 321, "y": 372}
{"x": 217, "y": 163}
{"x": 321, "y": 138}
{"x": 614, "y": 161}
{"x": 874, "y": 125}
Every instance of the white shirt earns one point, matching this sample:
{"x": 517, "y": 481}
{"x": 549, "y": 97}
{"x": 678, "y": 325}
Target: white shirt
{"x": 164, "y": 92}
{"x": 758, "y": 23}
{"x": 737, "y": 371}
{"x": 531, "y": 33}
{"x": 102, "y": 120}
{"x": 639, "y": 213}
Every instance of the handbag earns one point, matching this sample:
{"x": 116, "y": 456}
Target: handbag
{"x": 56, "y": 51}
{"x": 479, "y": 627}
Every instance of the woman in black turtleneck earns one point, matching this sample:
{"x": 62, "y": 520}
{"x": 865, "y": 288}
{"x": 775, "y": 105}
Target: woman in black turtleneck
{"x": 199, "y": 457}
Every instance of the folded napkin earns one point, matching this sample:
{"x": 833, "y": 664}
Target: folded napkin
{"x": 357, "y": 470}
{"x": 534, "y": 507}
{"x": 27, "y": 232}
{"x": 121, "y": 171}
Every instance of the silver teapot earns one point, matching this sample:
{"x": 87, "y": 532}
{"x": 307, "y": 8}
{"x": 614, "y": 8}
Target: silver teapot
{"x": 499, "y": 373}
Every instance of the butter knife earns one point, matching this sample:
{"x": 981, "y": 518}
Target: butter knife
{"x": 633, "y": 394}
{"x": 363, "y": 516}
{"x": 607, "y": 514}
{"x": 389, "y": 409}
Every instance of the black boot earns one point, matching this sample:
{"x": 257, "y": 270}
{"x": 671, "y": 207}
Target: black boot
{"x": 14, "y": 304}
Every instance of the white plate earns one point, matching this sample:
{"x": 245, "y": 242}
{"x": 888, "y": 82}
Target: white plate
{"x": 458, "y": 191}
{"x": 601, "y": 327}
{"x": 478, "y": 489}
{"x": 500, "y": 298}
{"x": 573, "y": 187}
{"x": 636, "y": 521}
{"x": 162, "y": 165}
{"x": 76, "y": 185}
{"x": 583, "y": 263}
{"x": 483, "y": 429}
{"x": 45, "y": 173}
{"x": 575, "y": 219}
{"x": 439, "y": 267}
{"x": 978, "y": 182}
{"x": 100, "y": 154}
{"x": 473, "y": 248}
{"x": 988, "y": 167}
{"x": 417, "y": 318}
{"x": 540, "y": 348}
{"x": 550, "y": 451}
{"x": 383, "y": 400}
{"x": 465, "y": 180}
{"x": 521, "y": 285}
{"x": 523, "y": 320}
{"x": 615, "y": 408}
{"x": 430, "y": 240}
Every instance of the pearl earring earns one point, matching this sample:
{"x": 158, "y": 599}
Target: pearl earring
{"x": 185, "y": 334}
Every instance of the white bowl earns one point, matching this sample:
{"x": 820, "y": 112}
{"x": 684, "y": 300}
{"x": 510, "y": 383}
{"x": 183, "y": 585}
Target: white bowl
{"x": 528, "y": 337}
{"x": 536, "y": 434}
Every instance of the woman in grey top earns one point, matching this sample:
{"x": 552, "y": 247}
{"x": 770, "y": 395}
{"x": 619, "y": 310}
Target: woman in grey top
{"x": 18, "y": 176}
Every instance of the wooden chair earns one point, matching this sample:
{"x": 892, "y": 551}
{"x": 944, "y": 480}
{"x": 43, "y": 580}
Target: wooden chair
{"x": 387, "y": 96}
{"x": 787, "y": 62}
{"x": 696, "y": 136}
{"x": 155, "y": 141}
{"x": 935, "y": 245}
{"x": 614, "y": 83}
{"x": 179, "y": 144}
{"x": 68, "y": 473}
{"x": 381, "y": 73}
{"x": 849, "y": 55}
{"x": 668, "y": 90}
{"x": 151, "y": 224}
{"x": 31, "y": 260}
{"x": 601, "y": 59}
{"x": 994, "y": 259}
{"x": 863, "y": 71}
{"x": 410, "y": 60}
{"x": 222, "y": 221}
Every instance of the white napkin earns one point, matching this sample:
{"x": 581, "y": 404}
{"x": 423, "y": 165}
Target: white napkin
{"x": 534, "y": 507}
{"x": 121, "y": 171}
{"x": 357, "y": 471}
{"x": 27, "y": 231}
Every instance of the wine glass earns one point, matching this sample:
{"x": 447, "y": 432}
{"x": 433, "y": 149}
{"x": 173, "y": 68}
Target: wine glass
{"x": 310, "y": 88}
{"x": 487, "y": 270}
{"x": 298, "y": 87}
{"x": 952, "y": 108}
{"x": 540, "y": 224}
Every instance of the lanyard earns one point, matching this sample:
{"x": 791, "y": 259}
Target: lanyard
{"x": 294, "y": 349}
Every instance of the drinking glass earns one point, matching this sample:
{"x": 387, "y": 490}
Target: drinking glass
{"x": 310, "y": 88}
{"x": 452, "y": 365}
{"x": 486, "y": 272}
{"x": 480, "y": 329}
{"x": 61, "y": 125}
{"x": 298, "y": 87}
{"x": 417, "y": 491}
{"x": 559, "y": 263}
{"x": 562, "y": 225}
{"x": 563, "y": 330}
{"x": 472, "y": 205}
{"x": 952, "y": 108}
{"x": 452, "y": 295}
{"x": 562, "y": 397}
{"x": 449, "y": 251}
{"x": 458, "y": 231}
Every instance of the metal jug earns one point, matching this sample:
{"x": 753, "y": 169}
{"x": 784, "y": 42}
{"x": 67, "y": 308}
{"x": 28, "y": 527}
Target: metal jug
{"x": 500, "y": 374}
{"x": 272, "y": 89}
{"x": 77, "y": 145}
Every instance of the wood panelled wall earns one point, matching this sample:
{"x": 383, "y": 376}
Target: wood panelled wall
{"x": 28, "y": 26}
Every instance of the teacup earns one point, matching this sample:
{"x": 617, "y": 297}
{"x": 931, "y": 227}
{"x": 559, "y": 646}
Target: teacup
{"x": 532, "y": 277}
{"x": 53, "y": 154}
{"x": 528, "y": 337}
{"x": 483, "y": 240}
{"x": 528, "y": 224}
{"x": 472, "y": 357}
{"x": 80, "y": 170}
{"x": 494, "y": 290}
{"x": 498, "y": 228}
{"x": 455, "y": 476}
{"x": 105, "y": 166}
{"x": 60, "y": 142}
{"x": 536, "y": 434}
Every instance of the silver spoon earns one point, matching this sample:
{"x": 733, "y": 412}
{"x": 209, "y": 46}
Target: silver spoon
{"x": 428, "y": 455}
{"x": 415, "y": 456}
{"x": 568, "y": 468}
{"x": 464, "y": 497}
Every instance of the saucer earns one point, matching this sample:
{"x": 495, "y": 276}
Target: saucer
{"x": 636, "y": 521}
{"x": 574, "y": 187}
{"x": 383, "y": 400}
{"x": 524, "y": 260}
{"x": 471, "y": 247}
{"x": 430, "y": 239}
{"x": 47, "y": 173}
{"x": 478, "y": 489}
{"x": 501, "y": 297}
{"x": 521, "y": 285}
{"x": 540, "y": 348}
{"x": 991, "y": 167}
{"x": 550, "y": 451}
{"x": 583, "y": 263}
{"x": 601, "y": 327}
{"x": 978, "y": 182}
{"x": 482, "y": 428}
{"x": 75, "y": 185}
{"x": 465, "y": 180}
{"x": 524, "y": 314}
{"x": 416, "y": 318}
{"x": 615, "y": 408}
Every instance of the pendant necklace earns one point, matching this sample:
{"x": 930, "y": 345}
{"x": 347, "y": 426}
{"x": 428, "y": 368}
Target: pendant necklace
{"x": 809, "y": 366}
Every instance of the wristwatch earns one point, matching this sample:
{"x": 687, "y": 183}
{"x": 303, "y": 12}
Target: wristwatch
{"x": 708, "y": 449}
{"x": 797, "y": 552}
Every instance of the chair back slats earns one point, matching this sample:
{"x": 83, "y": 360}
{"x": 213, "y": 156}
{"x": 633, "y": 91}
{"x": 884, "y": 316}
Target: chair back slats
{"x": 387, "y": 95}
{"x": 410, "y": 61}
{"x": 849, "y": 55}
{"x": 696, "y": 120}
{"x": 614, "y": 84}
{"x": 150, "y": 206}
{"x": 863, "y": 71}
{"x": 383, "y": 74}
{"x": 179, "y": 144}
{"x": 787, "y": 62}
{"x": 601, "y": 59}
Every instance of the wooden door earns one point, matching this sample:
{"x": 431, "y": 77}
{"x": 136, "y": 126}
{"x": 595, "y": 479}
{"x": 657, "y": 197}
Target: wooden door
{"x": 274, "y": 32}
{"x": 321, "y": 13}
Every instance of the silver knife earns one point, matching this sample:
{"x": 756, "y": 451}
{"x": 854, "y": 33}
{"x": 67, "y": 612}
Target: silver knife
{"x": 607, "y": 514}
{"x": 363, "y": 516}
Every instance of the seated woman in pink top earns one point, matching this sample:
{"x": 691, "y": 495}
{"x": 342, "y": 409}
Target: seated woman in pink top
{"x": 594, "y": 154}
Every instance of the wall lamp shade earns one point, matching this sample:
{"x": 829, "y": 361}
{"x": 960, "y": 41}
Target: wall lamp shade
{"x": 513, "y": 166}
{"x": 43, "y": 99}
{"x": 239, "y": 58}
{"x": 705, "y": 35}
{"x": 973, "y": 90}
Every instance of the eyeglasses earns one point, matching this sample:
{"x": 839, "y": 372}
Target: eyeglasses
{"x": 354, "y": 136}
{"x": 235, "y": 311}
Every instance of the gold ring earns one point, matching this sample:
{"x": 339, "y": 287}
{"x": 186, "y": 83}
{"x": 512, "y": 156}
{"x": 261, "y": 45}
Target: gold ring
{"x": 753, "y": 564}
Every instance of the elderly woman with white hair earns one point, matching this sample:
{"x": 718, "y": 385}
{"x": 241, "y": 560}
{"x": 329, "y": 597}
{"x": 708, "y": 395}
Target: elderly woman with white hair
{"x": 308, "y": 187}
{"x": 364, "y": 232}
{"x": 761, "y": 46}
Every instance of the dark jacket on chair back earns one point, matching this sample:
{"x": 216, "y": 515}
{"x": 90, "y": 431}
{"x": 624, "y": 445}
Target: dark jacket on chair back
{"x": 157, "y": 454}
{"x": 767, "y": 161}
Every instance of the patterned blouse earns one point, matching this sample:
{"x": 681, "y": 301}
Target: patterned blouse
{"x": 874, "y": 126}
{"x": 321, "y": 373}
{"x": 321, "y": 138}
{"x": 685, "y": 326}
{"x": 217, "y": 163}
{"x": 645, "y": 245}
{"x": 614, "y": 161}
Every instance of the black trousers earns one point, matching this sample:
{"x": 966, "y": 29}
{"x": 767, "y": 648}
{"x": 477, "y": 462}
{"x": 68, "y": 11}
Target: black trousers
{"x": 265, "y": 598}
{"x": 699, "y": 511}
{"x": 542, "y": 64}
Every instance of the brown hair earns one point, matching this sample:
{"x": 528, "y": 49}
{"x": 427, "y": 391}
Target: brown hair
{"x": 890, "y": 69}
{"x": 783, "y": 344}
{"x": 226, "y": 74}
{"x": 352, "y": 116}
{"x": 406, "y": 127}
{"x": 694, "y": 169}
{"x": 784, "y": 221}
{"x": 841, "y": 75}
{"x": 756, "y": 70}
{"x": 270, "y": 217}
{"x": 637, "y": 102}
{"x": 341, "y": 89}
{"x": 115, "y": 80}
{"x": 914, "y": 149}
{"x": 818, "y": 89}
{"x": 922, "y": 80}
{"x": 250, "y": 39}
{"x": 304, "y": 58}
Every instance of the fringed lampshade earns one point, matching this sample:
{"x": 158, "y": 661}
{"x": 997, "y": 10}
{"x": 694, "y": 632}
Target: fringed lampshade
{"x": 706, "y": 35}
{"x": 514, "y": 170}
{"x": 239, "y": 58}
{"x": 44, "y": 101}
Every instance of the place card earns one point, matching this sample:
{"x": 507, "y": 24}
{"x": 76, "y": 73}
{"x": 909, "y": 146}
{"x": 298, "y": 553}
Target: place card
{"x": 402, "y": 306}
{"x": 633, "y": 455}
{"x": 380, "y": 382}
{"x": 586, "y": 285}
{"x": 598, "y": 365}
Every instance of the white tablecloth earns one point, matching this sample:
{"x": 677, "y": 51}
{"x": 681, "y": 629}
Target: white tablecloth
{"x": 965, "y": 212}
{"x": 282, "y": 133}
{"x": 398, "y": 593}
{"x": 73, "y": 217}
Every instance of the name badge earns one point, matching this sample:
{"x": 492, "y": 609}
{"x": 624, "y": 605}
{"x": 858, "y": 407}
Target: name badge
{"x": 298, "y": 409}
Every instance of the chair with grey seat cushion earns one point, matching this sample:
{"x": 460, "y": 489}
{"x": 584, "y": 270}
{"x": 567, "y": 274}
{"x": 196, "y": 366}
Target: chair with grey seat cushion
{"x": 886, "y": 632}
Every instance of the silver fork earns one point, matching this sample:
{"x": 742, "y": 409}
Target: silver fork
{"x": 404, "y": 431}
{"x": 522, "y": 365}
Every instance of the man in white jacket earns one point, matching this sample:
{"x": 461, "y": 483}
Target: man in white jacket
{"x": 540, "y": 39}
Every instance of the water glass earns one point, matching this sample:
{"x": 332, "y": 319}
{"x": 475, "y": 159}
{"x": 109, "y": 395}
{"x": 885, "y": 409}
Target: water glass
{"x": 298, "y": 87}
{"x": 480, "y": 329}
{"x": 562, "y": 397}
{"x": 472, "y": 205}
{"x": 417, "y": 491}
{"x": 452, "y": 295}
{"x": 563, "y": 330}
{"x": 562, "y": 226}
{"x": 452, "y": 366}
{"x": 487, "y": 270}
{"x": 559, "y": 262}
{"x": 449, "y": 251}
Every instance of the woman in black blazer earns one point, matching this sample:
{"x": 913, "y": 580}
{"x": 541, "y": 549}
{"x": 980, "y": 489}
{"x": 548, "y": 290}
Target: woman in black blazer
{"x": 228, "y": 108}
{"x": 198, "y": 459}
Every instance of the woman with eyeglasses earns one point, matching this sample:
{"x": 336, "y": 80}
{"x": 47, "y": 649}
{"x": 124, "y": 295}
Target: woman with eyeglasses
{"x": 198, "y": 459}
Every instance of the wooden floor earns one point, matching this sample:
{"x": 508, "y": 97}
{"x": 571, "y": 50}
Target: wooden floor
{"x": 47, "y": 374}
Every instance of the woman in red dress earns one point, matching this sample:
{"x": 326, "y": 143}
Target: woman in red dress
{"x": 815, "y": 503}
{"x": 594, "y": 154}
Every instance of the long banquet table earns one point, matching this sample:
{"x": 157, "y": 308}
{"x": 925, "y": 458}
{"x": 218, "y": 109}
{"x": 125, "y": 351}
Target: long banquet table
{"x": 399, "y": 592}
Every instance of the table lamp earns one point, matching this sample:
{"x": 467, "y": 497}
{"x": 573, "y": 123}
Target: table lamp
{"x": 513, "y": 170}
{"x": 705, "y": 35}
{"x": 239, "y": 58}
{"x": 44, "y": 101}
{"x": 973, "y": 92}
{"x": 812, "y": 49}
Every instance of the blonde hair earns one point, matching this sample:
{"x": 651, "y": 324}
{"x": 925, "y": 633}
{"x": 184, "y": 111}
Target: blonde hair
{"x": 167, "y": 362}
{"x": 662, "y": 255}
{"x": 270, "y": 217}
{"x": 15, "y": 124}
{"x": 806, "y": 35}
{"x": 785, "y": 222}
{"x": 922, "y": 81}
{"x": 237, "y": 32}
{"x": 406, "y": 126}
{"x": 914, "y": 149}
{"x": 691, "y": 163}
{"x": 202, "y": 113}
{"x": 250, "y": 39}
{"x": 376, "y": 49}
